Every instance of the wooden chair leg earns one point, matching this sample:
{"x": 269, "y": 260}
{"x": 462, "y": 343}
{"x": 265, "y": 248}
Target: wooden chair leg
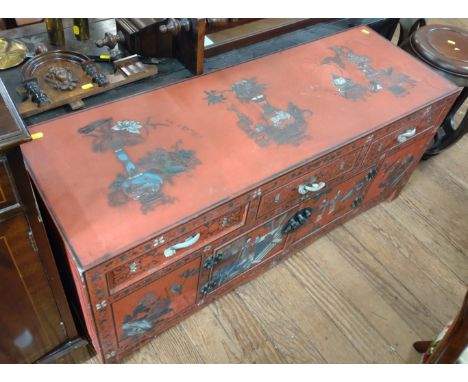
{"x": 421, "y": 346}
{"x": 407, "y": 28}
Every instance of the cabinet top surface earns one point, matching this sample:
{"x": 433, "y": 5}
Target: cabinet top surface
{"x": 115, "y": 175}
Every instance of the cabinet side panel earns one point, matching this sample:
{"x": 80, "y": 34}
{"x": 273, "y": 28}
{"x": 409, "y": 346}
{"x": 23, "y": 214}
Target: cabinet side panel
{"x": 82, "y": 293}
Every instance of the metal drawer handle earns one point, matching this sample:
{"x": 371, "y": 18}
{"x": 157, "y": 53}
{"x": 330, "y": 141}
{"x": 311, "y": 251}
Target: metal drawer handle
{"x": 407, "y": 134}
{"x": 314, "y": 187}
{"x": 170, "y": 251}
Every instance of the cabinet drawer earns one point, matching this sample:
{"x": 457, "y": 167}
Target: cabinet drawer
{"x": 7, "y": 194}
{"x": 303, "y": 188}
{"x": 157, "y": 253}
{"x": 242, "y": 254}
{"x": 140, "y": 313}
{"x": 405, "y": 130}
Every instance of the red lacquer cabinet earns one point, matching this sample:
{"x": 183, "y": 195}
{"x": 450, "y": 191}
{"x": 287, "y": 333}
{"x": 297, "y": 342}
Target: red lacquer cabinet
{"x": 168, "y": 199}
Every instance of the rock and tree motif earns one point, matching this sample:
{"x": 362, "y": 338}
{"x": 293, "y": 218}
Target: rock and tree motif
{"x": 258, "y": 118}
{"x": 141, "y": 180}
{"x": 377, "y": 79}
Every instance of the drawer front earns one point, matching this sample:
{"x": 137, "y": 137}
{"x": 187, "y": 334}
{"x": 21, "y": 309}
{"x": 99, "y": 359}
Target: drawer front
{"x": 166, "y": 253}
{"x": 303, "y": 188}
{"x": 334, "y": 203}
{"x": 406, "y": 130}
{"x": 242, "y": 254}
{"x": 139, "y": 314}
{"x": 340, "y": 152}
{"x": 7, "y": 194}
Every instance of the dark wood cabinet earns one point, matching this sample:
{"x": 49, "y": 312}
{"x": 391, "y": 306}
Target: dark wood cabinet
{"x": 31, "y": 323}
{"x": 35, "y": 321}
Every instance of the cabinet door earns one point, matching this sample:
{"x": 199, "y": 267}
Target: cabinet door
{"x": 242, "y": 254}
{"x": 396, "y": 169}
{"x": 141, "y": 313}
{"x": 30, "y": 322}
{"x": 334, "y": 202}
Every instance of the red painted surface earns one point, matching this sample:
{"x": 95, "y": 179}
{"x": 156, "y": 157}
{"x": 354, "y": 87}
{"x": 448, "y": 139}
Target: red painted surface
{"x": 236, "y": 184}
{"x": 74, "y": 180}
{"x": 144, "y": 310}
{"x": 397, "y": 167}
{"x": 289, "y": 192}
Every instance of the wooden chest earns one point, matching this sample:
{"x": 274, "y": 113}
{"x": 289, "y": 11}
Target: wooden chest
{"x": 170, "y": 198}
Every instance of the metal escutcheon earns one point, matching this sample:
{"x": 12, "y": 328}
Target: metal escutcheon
{"x": 407, "y": 134}
{"x": 170, "y": 251}
{"x": 314, "y": 187}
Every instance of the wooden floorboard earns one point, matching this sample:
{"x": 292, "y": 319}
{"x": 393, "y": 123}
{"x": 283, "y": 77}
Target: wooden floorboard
{"x": 302, "y": 331}
{"x": 366, "y": 297}
{"x": 344, "y": 314}
{"x": 397, "y": 257}
{"x": 242, "y": 327}
{"x": 361, "y": 294}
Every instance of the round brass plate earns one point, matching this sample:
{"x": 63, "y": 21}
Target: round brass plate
{"x": 12, "y": 52}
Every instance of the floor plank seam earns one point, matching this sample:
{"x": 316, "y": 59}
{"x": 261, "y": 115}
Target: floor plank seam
{"x": 416, "y": 263}
{"x": 388, "y": 210}
{"x": 379, "y": 283}
{"x": 290, "y": 321}
{"x": 390, "y": 273}
{"x": 407, "y": 200}
{"x": 322, "y": 303}
{"x": 260, "y": 328}
{"x": 348, "y": 301}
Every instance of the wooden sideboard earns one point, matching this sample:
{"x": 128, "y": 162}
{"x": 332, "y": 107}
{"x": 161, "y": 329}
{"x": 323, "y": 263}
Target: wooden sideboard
{"x": 36, "y": 322}
{"x": 168, "y": 199}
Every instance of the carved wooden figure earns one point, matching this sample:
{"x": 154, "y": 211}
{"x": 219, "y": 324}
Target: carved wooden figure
{"x": 168, "y": 199}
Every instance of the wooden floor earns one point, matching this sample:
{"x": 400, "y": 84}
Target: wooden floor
{"x": 361, "y": 294}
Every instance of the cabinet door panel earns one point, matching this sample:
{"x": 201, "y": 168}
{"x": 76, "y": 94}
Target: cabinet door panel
{"x": 396, "y": 169}
{"x": 334, "y": 202}
{"x": 30, "y": 321}
{"x": 242, "y": 254}
{"x": 140, "y": 313}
